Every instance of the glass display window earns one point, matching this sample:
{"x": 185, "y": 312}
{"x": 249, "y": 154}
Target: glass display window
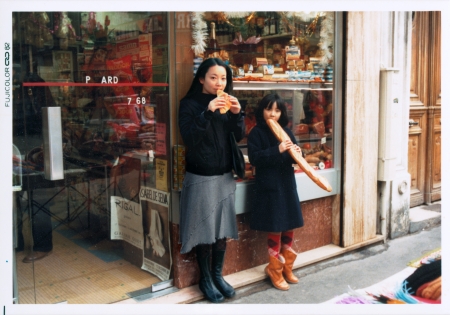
{"x": 310, "y": 119}
{"x": 262, "y": 46}
{"x": 94, "y": 84}
{"x": 294, "y": 54}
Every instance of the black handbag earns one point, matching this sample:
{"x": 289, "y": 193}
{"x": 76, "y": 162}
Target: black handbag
{"x": 237, "y": 157}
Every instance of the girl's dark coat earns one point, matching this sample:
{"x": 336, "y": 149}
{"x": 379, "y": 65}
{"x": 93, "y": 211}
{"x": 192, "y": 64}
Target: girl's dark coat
{"x": 276, "y": 205}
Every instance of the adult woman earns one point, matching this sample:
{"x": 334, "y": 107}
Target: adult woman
{"x": 207, "y": 214}
{"x": 276, "y": 208}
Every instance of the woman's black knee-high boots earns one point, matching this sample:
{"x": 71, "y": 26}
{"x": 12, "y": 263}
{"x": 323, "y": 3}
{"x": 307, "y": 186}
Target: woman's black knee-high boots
{"x": 206, "y": 283}
{"x": 217, "y": 264}
{"x": 218, "y": 252}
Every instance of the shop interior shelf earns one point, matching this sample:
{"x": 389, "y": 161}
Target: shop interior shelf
{"x": 269, "y": 85}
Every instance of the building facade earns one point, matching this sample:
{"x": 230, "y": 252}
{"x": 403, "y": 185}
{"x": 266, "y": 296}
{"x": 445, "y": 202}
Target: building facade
{"x": 99, "y": 162}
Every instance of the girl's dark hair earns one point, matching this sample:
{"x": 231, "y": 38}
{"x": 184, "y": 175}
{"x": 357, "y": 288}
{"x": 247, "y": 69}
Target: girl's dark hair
{"x": 196, "y": 86}
{"x": 267, "y": 103}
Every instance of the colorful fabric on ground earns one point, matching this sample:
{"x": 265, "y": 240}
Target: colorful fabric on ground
{"x": 355, "y": 297}
{"x": 423, "y": 274}
{"x": 426, "y": 301}
{"x": 402, "y": 293}
{"x": 433, "y": 290}
{"x": 413, "y": 285}
{"x": 421, "y": 288}
{"x": 427, "y": 258}
{"x": 354, "y": 300}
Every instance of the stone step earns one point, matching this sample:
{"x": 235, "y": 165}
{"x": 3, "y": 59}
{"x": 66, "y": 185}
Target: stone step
{"x": 424, "y": 217}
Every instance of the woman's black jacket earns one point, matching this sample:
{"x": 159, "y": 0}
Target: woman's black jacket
{"x": 206, "y": 136}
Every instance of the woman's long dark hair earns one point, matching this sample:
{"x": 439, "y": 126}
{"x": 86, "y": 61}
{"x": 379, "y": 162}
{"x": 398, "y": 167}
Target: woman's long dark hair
{"x": 197, "y": 87}
{"x": 266, "y": 103}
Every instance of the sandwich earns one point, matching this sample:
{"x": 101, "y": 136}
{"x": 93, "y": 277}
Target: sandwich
{"x": 226, "y": 97}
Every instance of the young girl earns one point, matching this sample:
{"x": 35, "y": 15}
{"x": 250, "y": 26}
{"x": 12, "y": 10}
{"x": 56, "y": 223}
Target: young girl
{"x": 276, "y": 208}
{"x": 207, "y": 213}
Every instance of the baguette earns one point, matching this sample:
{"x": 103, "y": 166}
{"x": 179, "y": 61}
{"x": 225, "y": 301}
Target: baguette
{"x": 221, "y": 93}
{"x": 281, "y": 135}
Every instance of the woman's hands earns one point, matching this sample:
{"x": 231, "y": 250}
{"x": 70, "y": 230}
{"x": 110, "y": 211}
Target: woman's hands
{"x": 216, "y": 104}
{"x": 287, "y": 145}
{"x": 235, "y": 106}
{"x": 219, "y": 103}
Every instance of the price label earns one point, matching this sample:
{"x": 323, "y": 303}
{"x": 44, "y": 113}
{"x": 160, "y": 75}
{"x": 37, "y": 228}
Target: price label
{"x": 323, "y": 140}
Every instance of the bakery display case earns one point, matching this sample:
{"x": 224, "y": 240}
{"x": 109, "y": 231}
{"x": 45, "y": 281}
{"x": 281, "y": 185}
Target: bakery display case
{"x": 297, "y": 55}
{"x": 310, "y": 119}
{"x": 319, "y": 139}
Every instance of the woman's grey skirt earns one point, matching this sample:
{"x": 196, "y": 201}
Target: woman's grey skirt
{"x": 207, "y": 210}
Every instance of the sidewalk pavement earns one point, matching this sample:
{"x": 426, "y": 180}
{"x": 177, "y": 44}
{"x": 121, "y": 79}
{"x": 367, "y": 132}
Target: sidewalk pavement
{"x": 322, "y": 280}
{"x": 358, "y": 269}
{"x": 361, "y": 268}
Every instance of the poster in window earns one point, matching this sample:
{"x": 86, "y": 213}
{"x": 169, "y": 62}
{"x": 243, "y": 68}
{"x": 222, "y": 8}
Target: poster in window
{"x": 126, "y": 212}
{"x": 161, "y": 174}
{"x": 155, "y": 210}
{"x": 126, "y": 221}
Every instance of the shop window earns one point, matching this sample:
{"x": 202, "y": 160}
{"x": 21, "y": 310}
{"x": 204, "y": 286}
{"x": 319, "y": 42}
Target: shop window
{"x": 295, "y": 54}
{"x": 107, "y": 72}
